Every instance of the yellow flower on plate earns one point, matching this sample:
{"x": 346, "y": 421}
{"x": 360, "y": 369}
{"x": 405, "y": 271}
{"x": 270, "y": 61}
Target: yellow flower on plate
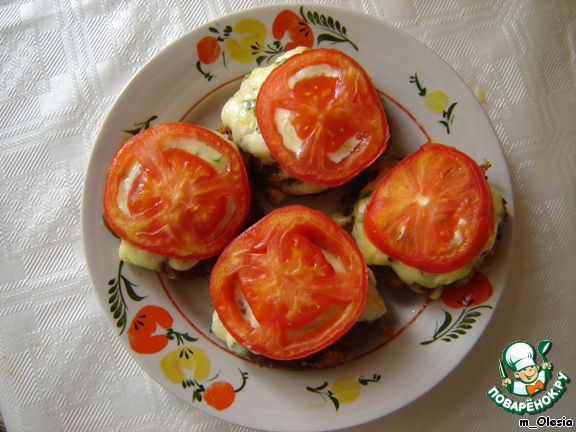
{"x": 346, "y": 389}
{"x": 248, "y": 47}
{"x": 436, "y": 101}
{"x": 183, "y": 359}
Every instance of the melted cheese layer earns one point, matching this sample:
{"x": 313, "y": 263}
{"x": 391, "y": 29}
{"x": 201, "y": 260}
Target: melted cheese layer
{"x": 239, "y": 114}
{"x": 374, "y": 308}
{"x": 131, "y": 254}
{"x": 408, "y": 274}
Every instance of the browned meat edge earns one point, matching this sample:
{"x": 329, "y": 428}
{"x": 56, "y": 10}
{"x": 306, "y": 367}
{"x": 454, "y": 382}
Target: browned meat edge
{"x": 332, "y": 356}
{"x": 204, "y": 267}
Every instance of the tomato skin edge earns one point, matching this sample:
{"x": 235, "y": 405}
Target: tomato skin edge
{"x": 428, "y": 264}
{"x": 333, "y": 174}
{"x": 223, "y": 287}
{"x": 166, "y": 131}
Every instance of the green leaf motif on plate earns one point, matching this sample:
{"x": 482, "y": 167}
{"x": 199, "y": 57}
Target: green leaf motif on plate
{"x": 141, "y": 126}
{"x": 337, "y": 32}
{"x": 116, "y": 300}
{"x": 449, "y": 331}
{"x": 437, "y": 102}
{"x": 343, "y": 390}
{"x": 245, "y": 40}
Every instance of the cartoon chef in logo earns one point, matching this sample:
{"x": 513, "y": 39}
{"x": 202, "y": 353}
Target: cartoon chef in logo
{"x": 529, "y": 378}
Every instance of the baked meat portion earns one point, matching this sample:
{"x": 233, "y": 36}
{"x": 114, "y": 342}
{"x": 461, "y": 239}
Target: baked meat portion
{"x": 203, "y": 268}
{"x": 329, "y": 357}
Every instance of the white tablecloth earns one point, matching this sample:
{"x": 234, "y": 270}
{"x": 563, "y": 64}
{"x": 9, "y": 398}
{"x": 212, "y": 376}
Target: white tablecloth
{"x": 62, "y": 63}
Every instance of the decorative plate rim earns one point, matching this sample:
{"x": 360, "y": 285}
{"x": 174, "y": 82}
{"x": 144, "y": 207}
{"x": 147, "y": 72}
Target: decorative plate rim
{"x": 280, "y": 409}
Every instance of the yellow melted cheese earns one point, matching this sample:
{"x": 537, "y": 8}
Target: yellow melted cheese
{"x": 131, "y": 254}
{"x": 374, "y": 308}
{"x": 239, "y": 115}
{"x": 408, "y": 274}
{"x": 239, "y": 111}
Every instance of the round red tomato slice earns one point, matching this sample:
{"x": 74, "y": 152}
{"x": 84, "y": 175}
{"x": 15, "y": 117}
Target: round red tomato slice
{"x": 177, "y": 190}
{"x": 433, "y": 211}
{"x": 290, "y": 285}
{"x": 321, "y": 117}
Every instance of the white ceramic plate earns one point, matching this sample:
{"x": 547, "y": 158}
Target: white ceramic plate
{"x": 420, "y": 342}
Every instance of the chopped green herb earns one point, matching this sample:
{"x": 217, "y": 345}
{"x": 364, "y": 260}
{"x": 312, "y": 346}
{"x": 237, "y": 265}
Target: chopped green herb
{"x": 250, "y": 104}
{"x": 366, "y": 194}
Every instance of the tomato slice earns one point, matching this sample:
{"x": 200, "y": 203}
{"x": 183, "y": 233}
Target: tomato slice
{"x": 290, "y": 285}
{"x": 433, "y": 211}
{"x": 321, "y": 117}
{"x": 177, "y": 190}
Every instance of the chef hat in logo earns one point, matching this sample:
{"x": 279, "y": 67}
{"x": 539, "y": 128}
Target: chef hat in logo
{"x": 519, "y": 355}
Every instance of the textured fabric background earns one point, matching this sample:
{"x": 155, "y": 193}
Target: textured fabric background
{"x": 62, "y": 64}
